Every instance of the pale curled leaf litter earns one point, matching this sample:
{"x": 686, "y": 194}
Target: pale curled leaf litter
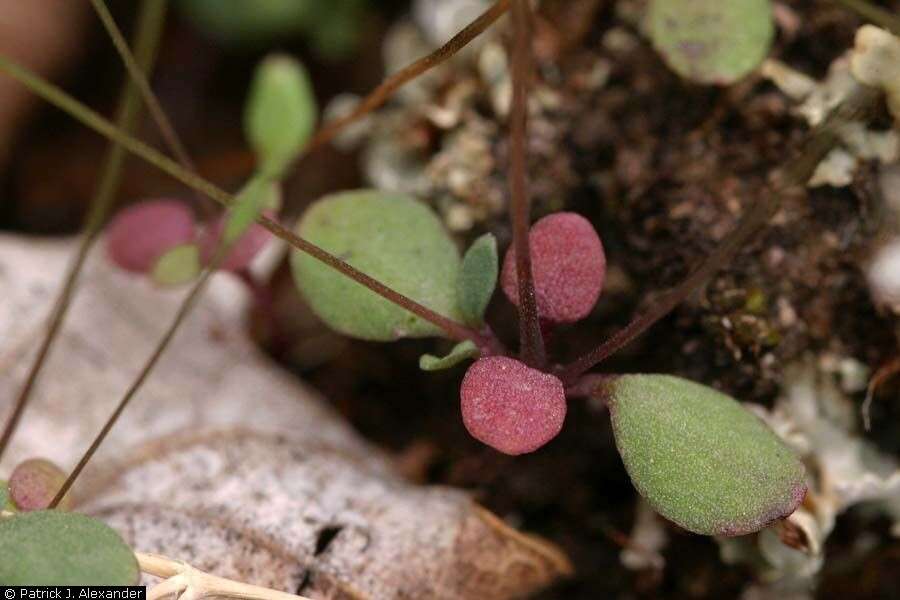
{"x": 874, "y": 61}
{"x": 883, "y": 275}
{"x": 647, "y": 540}
{"x": 883, "y": 264}
{"x": 225, "y": 461}
{"x": 440, "y": 20}
{"x": 815, "y": 418}
{"x": 459, "y": 173}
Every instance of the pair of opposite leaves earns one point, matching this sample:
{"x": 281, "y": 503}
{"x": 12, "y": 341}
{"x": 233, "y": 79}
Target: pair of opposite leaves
{"x": 699, "y": 458}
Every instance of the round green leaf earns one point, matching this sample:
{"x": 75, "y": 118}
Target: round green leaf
{"x": 238, "y": 21}
{"x": 700, "y": 458}
{"x": 281, "y": 113}
{"x": 711, "y": 41}
{"x": 337, "y": 28}
{"x": 478, "y": 278}
{"x": 391, "y": 237}
{"x": 50, "y": 547}
{"x": 179, "y": 265}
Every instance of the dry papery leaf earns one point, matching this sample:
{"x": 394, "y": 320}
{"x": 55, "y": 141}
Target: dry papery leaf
{"x": 816, "y": 418}
{"x": 876, "y": 61}
{"x": 228, "y": 463}
{"x": 870, "y": 62}
{"x": 647, "y": 540}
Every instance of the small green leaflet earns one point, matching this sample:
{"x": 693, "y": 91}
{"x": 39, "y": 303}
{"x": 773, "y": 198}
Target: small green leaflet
{"x": 250, "y": 21}
{"x": 337, "y": 28}
{"x": 462, "y": 351}
{"x": 179, "y": 265}
{"x": 478, "y": 278}
{"x": 280, "y": 115}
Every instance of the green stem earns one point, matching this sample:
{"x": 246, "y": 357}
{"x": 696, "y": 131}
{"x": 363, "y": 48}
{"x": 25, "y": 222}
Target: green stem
{"x": 386, "y": 89}
{"x": 149, "y": 31}
{"x": 139, "y": 79}
{"x": 91, "y": 119}
{"x": 380, "y": 94}
{"x": 183, "y": 311}
{"x": 154, "y": 107}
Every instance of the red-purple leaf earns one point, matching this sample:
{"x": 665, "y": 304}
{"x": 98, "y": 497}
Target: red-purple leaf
{"x": 242, "y": 252}
{"x": 139, "y": 235}
{"x": 568, "y": 265}
{"x": 34, "y": 483}
{"x": 510, "y": 406}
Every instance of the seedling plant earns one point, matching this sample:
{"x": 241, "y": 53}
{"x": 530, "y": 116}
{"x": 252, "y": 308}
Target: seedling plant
{"x": 379, "y": 265}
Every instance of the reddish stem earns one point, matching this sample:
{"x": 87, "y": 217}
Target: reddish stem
{"x": 530, "y": 338}
{"x": 883, "y": 373}
{"x": 183, "y": 311}
{"x": 385, "y": 90}
{"x": 589, "y": 386}
{"x": 454, "y": 330}
{"x": 797, "y": 172}
{"x": 715, "y": 261}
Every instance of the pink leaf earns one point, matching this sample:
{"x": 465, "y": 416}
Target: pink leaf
{"x": 244, "y": 250}
{"x": 568, "y": 265}
{"x": 510, "y": 406}
{"x": 139, "y": 235}
{"x": 34, "y": 483}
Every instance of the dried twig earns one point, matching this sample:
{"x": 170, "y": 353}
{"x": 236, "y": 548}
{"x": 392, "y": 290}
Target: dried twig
{"x": 184, "y": 581}
{"x": 91, "y": 119}
{"x": 884, "y": 373}
{"x": 386, "y": 89}
{"x": 189, "y": 302}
